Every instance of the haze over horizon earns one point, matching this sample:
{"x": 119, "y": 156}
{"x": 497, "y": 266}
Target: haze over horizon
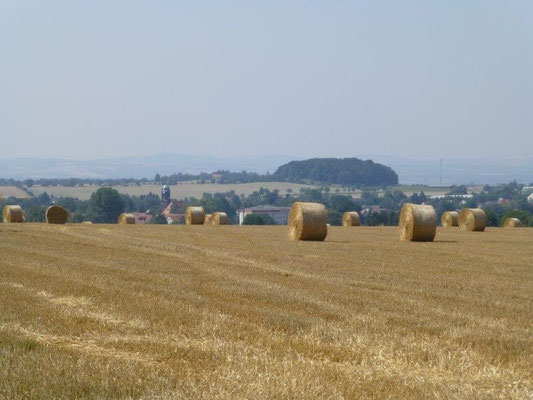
{"x": 410, "y": 79}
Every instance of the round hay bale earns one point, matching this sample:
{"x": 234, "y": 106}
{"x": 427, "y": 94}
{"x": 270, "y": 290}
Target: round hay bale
{"x": 512, "y": 223}
{"x": 56, "y": 215}
{"x": 86, "y": 223}
{"x": 194, "y": 216}
{"x": 450, "y": 218}
{"x": 126, "y": 219}
{"x": 307, "y": 221}
{"x": 418, "y": 223}
{"x": 207, "y": 220}
{"x": 351, "y": 218}
{"x": 219, "y": 218}
{"x": 12, "y": 214}
{"x": 473, "y": 220}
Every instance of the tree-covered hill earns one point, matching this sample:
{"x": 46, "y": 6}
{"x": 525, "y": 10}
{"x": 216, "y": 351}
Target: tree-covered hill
{"x": 345, "y": 171}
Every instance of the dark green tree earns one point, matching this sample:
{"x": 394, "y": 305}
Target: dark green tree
{"x": 35, "y": 214}
{"x": 334, "y": 217}
{"x": 105, "y": 206}
{"x": 258, "y": 219}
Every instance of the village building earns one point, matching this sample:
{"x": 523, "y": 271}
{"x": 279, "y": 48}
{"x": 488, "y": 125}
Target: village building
{"x": 280, "y": 215}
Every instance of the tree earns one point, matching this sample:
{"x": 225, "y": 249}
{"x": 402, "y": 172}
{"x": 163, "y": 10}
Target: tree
{"x": 159, "y": 219}
{"x": 523, "y": 216}
{"x": 35, "y": 214}
{"x": 369, "y": 198}
{"x": 333, "y": 217}
{"x": 258, "y": 219}
{"x": 343, "y": 203}
{"x": 44, "y": 199}
{"x": 105, "y": 206}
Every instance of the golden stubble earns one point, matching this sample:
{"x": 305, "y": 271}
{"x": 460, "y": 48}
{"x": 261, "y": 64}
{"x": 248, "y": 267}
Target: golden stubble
{"x": 108, "y": 311}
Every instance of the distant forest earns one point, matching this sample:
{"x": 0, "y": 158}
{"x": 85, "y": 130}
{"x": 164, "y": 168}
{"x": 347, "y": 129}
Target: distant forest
{"x": 344, "y": 171}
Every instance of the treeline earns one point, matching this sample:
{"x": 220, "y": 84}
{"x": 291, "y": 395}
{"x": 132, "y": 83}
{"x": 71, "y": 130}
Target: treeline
{"x": 498, "y": 202}
{"x": 104, "y": 206}
{"x": 71, "y": 182}
{"x": 375, "y": 208}
{"x": 220, "y": 176}
{"x": 343, "y": 171}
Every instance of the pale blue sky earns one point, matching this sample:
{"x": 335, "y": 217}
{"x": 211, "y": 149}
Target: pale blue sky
{"x": 419, "y": 79}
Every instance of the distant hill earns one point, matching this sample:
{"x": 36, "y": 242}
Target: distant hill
{"x": 134, "y": 167}
{"x": 344, "y": 171}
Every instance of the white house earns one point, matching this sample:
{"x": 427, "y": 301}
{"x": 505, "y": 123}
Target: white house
{"x": 279, "y": 214}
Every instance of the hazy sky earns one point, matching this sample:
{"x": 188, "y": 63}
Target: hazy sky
{"x": 420, "y": 79}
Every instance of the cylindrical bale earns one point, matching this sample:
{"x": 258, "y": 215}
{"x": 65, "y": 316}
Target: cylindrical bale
{"x": 473, "y": 220}
{"x": 418, "y": 223}
{"x": 512, "y": 223}
{"x": 56, "y": 215}
{"x": 351, "y": 218}
{"x": 207, "y": 220}
{"x": 126, "y": 219}
{"x": 86, "y": 223}
{"x": 219, "y": 218}
{"x": 12, "y": 214}
{"x": 307, "y": 221}
{"x": 450, "y": 218}
{"x": 194, "y": 216}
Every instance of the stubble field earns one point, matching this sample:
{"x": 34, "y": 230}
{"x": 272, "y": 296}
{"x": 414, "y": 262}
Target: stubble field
{"x": 108, "y": 311}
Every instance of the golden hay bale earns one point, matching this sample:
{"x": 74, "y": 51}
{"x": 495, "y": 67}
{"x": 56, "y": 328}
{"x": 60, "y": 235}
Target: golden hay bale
{"x": 418, "y": 223}
{"x": 473, "y": 219}
{"x": 450, "y": 218}
{"x": 207, "y": 220}
{"x": 307, "y": 221}
{"x": 56, "y": 215}
{"x": 218, "y": 218}
{"x": 351, "y": 218}
{"x": 126, "y": 219}
{"x": 12, "y": 214}
{"x": 194, "y": 216}
{"x": 512, "y": 223}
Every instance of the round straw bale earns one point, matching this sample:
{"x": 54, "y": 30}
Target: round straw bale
{"x": 56, "y": 215}
{"x": 351, "y": 218}
{"x": 473, "y": 219}
{"x": 86, "y": 223}
{"x": 207, "y": 220}
{"x": 512, "y": 223}
{"x": 450, "y": 218}
{"x": 418, "y": 223}
{"x": 307, "y": 221}
{"x": 218, "y": 218}
{"x": 194, "y": 216}
{"x": 12, "y": 214}
{"x": 126, "y": 219}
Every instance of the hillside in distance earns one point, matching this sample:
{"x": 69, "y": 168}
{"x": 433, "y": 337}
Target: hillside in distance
{"x": 344, "y": 171}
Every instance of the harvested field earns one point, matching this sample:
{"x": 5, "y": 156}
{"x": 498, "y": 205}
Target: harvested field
{"x": 192, "y": 189}
{"x": 109, "y": 311}
{"x": 185, "y": 189}
{"x": 13, "y": 191}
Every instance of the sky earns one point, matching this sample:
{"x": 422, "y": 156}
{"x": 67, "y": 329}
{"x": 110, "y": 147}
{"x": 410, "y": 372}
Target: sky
{"x": 414, "y": 79}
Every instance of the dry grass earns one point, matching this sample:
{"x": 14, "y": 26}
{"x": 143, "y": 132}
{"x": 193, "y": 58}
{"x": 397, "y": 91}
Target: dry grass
{"x": 241, "y": 312}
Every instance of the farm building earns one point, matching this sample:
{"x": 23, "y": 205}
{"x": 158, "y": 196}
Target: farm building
{"x": 279, "y": 214}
